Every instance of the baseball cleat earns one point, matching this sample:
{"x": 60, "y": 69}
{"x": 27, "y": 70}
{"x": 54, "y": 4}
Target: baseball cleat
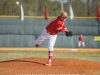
{"x": 36, "y": 45}
{"x": 48, "y": 64}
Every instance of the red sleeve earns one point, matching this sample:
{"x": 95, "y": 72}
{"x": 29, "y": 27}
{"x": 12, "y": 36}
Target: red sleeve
{"x": 60, "y": 27}
{"x": 62, "y": 30}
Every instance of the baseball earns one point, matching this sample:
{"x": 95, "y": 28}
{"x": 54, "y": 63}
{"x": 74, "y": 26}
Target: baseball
{"x": 17, "y": 2}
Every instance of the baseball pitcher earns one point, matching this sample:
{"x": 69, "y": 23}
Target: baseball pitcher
{"x": 50, "y": 33}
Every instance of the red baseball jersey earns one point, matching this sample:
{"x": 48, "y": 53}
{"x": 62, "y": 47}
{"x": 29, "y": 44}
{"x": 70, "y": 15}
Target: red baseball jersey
{"x": 55, "y": 26}
{"x": 81, "y": 38}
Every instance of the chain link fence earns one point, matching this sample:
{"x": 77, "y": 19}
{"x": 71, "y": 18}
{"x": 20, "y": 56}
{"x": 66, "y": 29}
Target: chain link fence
{"x": 36, "y": 7}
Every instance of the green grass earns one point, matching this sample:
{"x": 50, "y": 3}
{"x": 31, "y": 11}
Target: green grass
{"x": 11, "y": 55}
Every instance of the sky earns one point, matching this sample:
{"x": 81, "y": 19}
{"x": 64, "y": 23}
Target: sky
{"x": 60, "y": 0}
{"x": 84, "y": 1}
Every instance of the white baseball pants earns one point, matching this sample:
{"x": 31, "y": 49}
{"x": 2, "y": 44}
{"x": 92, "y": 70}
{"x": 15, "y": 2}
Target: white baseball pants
{"x": 81, "y": 42}
{"x": 51, "y": 39}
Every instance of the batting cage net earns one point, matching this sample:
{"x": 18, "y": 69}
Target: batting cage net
{"x": 36, "y": 7}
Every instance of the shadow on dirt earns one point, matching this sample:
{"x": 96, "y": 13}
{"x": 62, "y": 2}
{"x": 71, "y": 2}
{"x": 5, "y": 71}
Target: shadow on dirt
{"x": 17, "y": 60}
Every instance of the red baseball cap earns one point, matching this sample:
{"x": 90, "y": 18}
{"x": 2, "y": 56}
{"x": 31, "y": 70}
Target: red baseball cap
{"x": 64, "y": 14}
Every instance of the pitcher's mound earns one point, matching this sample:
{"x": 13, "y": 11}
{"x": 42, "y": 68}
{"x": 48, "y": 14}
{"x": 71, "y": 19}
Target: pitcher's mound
{"x": 33, "y": 66}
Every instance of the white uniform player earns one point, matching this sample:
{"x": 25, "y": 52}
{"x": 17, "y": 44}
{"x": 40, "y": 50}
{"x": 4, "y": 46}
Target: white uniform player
{"x": 50, "y": 33}
{"x": 81, "y": 40}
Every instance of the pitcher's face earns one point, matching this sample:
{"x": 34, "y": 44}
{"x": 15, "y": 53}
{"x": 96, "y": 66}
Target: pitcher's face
{"x": 63, "y": 18}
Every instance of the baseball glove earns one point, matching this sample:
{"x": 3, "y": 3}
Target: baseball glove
{"x": 68, "y": 33}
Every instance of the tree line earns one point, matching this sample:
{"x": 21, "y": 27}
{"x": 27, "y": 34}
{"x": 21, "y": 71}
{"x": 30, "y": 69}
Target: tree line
{"x": 36, "y": 7}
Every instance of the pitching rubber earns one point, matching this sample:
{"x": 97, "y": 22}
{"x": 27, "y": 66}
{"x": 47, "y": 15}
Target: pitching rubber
{"x": 72, "y": 49}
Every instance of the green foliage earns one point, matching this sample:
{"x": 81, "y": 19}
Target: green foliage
{"x": 36, "y": 7}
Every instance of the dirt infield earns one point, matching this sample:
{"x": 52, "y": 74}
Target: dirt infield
{"x": 36, "y": 66}
{"x": 33, "y": 66}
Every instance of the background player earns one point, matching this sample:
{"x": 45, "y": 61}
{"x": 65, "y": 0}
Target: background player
{"x": 81, "y": 41}
{"x": 50, "y": 33}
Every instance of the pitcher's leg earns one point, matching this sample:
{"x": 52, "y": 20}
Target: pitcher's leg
{"x": 41, "y": 38}
{"x": 50, "y": 54}
{"x": 51, "y": 43}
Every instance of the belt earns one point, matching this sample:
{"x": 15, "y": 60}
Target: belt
{"x": 47, "y": 31}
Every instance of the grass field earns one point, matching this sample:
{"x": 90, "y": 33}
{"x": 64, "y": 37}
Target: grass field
{"x": 31, "y": 61}
{"x": 11, "y": 55}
